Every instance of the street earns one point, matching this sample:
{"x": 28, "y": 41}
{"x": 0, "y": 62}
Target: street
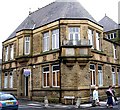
{"x": 33, "y": 105}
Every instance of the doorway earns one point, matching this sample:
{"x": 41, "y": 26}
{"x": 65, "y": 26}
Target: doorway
{"x": 26, "y": 86}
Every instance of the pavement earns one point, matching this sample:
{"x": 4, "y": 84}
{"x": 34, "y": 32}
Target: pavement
{"x": 49, "y": 105}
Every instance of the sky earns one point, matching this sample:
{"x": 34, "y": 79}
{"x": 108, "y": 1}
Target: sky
{"x": 13, "y": 12}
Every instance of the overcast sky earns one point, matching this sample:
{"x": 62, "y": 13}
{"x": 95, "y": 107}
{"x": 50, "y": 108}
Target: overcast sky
{"x": 13, "y": 12}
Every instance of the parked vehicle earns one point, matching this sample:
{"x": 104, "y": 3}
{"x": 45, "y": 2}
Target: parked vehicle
{"x": 8, "y": 102}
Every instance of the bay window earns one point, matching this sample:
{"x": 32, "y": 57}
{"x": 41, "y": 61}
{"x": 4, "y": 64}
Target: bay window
{"x": 91, "y": 37}
{"x": 27, "y": 45}
{"x": 6, "y": 53}
{"x": 11, "y": 52}
{"x": 46, "y": 41}
{"x": 74, "y": 35}
{"x": 55, "y": 39}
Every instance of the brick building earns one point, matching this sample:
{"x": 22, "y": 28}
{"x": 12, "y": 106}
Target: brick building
{"x": 59, "y": 50}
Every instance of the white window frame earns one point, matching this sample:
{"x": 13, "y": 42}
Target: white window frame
{"x": 93, "y": 75}
{"x": 100, "y": 75}
{"x": 11, "y": 80}
{"x": 91, "y": 37}
{"x": 47, "y": 73}
{"x": 6, "y": 53}
{"x": 27, "y": 45}
{"x": 56, "y": 72}
{"x": 118, "y": 71}
{"x": 74, "y": 34}
{"x": 113, "y": 76}
{"x": 55, "y": 39}
{"x": 5, "y": 80}
{"x": 115, "y": 51}
{"x": 11, "y": 52}
{"x": 46, "y": 42}
{"x": 98, "y": 45}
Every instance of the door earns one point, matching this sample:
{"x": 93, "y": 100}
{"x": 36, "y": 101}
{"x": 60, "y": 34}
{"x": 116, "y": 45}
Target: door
{"x": 26, "y": 86}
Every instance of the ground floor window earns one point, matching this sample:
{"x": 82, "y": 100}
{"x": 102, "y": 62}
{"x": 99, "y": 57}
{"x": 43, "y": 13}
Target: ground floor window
{"x": 6, "y": 80}
{"x": 100, "y": 75}
{"x": 55, "y": 76}
{"x": 113, "y": 76}
{"x": 118, "y": 71}
{"x": 93, "y": 74}
{"x": 46, "y": 76}
{"x": 11, "y": 80}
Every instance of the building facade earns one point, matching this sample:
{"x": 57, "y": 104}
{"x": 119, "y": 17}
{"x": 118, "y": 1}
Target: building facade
{"x": 57, "y": 52}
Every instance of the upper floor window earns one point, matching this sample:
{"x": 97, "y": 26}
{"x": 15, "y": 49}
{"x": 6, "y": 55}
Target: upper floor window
{"x": 55, "y": 39}
{"x": 46, "y": 41}
{"x": 91, "y": 37}
{"x": 6, "y": 53}
{"x": 11, "y": 52}
{"x": 111, "y": 35}
{"x": 27, "y": 45}
{"x": 115, "y": 51}
{"x": 98, "y": 45}
{"x": 74, "y": 35}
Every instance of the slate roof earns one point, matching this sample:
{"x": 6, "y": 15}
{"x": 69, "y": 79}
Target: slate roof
{"x": 52, "y": 12}
{"x": 108, "y": 24}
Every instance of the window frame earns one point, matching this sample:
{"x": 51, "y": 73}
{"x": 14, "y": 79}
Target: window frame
{"x": 91, "y": 37}
{"x": 113, "y": 76}
{"x": 93, "y": 75}
{"x": 6, "y": 53}
{"x": 57, "y": 76}
{"x": 98, "y": 43}
{"x": 11, "y": 79}
{"x": 27, "y": 45}
{"x": 6, "y": 80}
{"x": 100, "y": 75}
{"x": 115, "y": 51}
{"x": 74, "y": 30}
{"x": 46, "y": 38}
{"x": 55, "y": 39}
{"x": 11, "y": 52}
{"x": 45, "y": 82}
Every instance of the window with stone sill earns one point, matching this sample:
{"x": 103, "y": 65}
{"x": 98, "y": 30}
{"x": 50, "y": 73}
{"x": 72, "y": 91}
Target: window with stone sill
{"x": 118, "y": 72}
{"x": 6, "y": 53}
{"x": 27, "y": 45}
{"x": 100, "y": 75}
{"x": 55, "y": 76}
{"x": 91, "y": 37}
{"x": 11, "y": 52}
{"x": 46, "y": 42}
{"x": 11, "y": 80}
{"x": 46, "y": 76}
{"x": 74, "y": 35}
{"x": 92, "y": 74}
{"x": 6, "y": 80}
{"x": 55, "y": 39}
{"x": 113, "y": 76}
{"x": 98, "y": 43}
{"x": 115, "y": 51}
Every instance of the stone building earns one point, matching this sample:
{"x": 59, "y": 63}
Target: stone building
{"x": 57, "y": 51}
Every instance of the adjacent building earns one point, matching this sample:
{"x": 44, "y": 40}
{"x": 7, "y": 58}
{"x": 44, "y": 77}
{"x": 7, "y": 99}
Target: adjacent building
{"x": 59, "y": 50}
